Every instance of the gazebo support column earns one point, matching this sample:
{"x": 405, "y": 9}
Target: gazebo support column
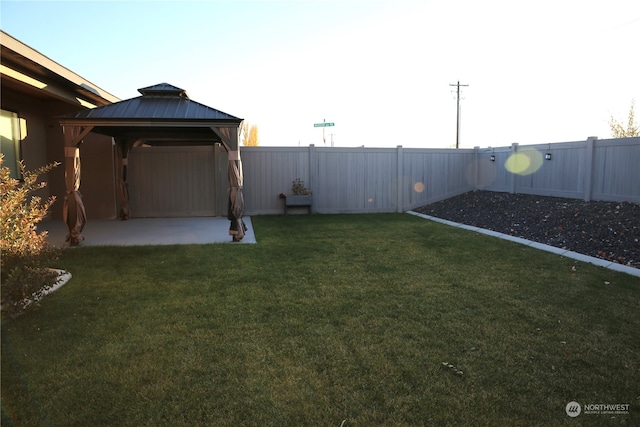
{"x": 229, "y": 137}
{"x": 123, "y": 147}
{"x": 73, "y": 212}
{"x": 237, "y": 227}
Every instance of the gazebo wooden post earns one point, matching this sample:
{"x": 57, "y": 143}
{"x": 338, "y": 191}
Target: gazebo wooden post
{"x": 73, "y": 212}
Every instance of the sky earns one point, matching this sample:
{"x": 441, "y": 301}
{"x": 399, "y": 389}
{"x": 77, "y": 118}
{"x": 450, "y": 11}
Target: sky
{"x": 537, "y": 72}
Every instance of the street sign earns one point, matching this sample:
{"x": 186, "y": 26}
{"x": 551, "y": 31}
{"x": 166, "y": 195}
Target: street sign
{"x": 322, "y": 125}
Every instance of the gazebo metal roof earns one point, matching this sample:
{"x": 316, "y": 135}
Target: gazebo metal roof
{"x": 162, "y": 111}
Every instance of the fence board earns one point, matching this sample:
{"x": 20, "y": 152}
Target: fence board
{"x": 616, "y": 170}
{"x": 172, "y": 181}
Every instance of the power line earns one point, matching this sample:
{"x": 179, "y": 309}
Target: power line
{"x": 457, "y": 85}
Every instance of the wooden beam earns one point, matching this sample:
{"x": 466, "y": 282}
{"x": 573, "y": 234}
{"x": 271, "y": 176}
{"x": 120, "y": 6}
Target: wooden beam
{"x": 228, "y": 135}
{"x": 75, "y": 134}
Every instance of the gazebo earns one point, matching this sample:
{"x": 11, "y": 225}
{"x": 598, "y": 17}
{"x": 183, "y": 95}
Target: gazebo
{"x": 162, "y": 115}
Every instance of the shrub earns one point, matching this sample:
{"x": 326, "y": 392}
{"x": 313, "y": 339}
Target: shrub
{"x": 26, "y": 254}
{"x": 298, "y": 188}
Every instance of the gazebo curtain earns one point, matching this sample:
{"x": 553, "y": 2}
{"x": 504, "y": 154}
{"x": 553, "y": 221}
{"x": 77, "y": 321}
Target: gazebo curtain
{"x": 73, "y": 212}
{"x": 123, "y": 147}
{"x": 236, "y": 199}
{"x": 229, "y": 137}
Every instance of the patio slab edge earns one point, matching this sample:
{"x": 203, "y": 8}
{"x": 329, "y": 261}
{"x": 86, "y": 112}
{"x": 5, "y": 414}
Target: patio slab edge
{"x": 558, "y": 251}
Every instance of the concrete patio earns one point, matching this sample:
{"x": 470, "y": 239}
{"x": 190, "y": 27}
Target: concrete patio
{"x": 151, "y": 231}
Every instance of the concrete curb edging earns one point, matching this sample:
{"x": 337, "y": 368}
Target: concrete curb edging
{"x": 563, "y": 252}
{"x": 63, "y": 278}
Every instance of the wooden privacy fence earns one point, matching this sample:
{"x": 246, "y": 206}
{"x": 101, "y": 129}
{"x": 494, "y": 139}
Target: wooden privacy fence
{"x": 360, "y": 180}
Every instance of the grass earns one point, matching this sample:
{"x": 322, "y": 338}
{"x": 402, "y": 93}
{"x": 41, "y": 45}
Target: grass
{"x": 329, "y": 318}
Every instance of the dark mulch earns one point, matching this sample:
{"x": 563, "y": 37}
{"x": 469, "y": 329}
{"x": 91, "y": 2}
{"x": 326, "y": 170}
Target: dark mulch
{"x": 607, "y": 230}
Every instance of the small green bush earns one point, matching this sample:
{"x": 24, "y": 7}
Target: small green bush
{"x": 26, "y": 254}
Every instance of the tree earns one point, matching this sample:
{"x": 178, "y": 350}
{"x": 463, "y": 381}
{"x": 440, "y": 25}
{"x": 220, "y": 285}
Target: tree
{"x": 254, "y": 141}
{"x": 618, "y": 130}
{"x": 244, "y": 132}
{"x": 250, "y": 135}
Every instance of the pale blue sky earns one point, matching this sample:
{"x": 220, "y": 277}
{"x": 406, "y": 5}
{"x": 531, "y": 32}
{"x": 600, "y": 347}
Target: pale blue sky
{"x": 538, "y": 72}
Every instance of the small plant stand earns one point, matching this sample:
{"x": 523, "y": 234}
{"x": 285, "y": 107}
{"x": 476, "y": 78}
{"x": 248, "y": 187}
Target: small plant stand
{"x": 297, "y": 201}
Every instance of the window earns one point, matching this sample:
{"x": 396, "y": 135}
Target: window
{"x": 10, "y": 147}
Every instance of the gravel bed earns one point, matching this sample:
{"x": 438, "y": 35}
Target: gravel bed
{"x": 607, "y": 230}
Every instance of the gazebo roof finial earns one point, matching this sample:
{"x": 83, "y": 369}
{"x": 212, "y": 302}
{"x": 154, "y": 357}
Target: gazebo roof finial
{"x": 163, "y": 89}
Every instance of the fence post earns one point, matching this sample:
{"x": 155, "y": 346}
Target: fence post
{"x": 313, "y": 182}
{"x": 476, "y": 172}
{"x": 588, "y": 168}
{"x": 400, "y": 172}
{"x": 514, "y": 151}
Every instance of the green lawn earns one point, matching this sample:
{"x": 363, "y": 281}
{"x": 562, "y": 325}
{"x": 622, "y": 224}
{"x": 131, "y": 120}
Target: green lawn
{"x": 329, "y": 320}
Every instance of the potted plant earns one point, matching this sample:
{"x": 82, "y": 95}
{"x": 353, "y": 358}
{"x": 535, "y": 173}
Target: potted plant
{"x": 299, "y": 195}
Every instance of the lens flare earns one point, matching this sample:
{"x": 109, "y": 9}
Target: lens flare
{"x": 524, "y": 162}
{"x": 418, "y": 187}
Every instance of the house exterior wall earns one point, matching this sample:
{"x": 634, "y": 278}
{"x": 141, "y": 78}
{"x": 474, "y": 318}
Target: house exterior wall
{"x": 43, "y": 144}
{"x": 38, "y": 90}
{"x": 33, "y": 118}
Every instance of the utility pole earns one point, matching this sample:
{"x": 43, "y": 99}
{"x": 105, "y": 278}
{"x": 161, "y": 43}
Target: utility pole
{"x": 324, "y": 140}
{"x": 458, "y": 112}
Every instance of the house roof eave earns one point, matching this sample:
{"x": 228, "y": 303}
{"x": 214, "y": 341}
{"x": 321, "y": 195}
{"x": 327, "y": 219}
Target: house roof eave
{"x": 21, "y": 58}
